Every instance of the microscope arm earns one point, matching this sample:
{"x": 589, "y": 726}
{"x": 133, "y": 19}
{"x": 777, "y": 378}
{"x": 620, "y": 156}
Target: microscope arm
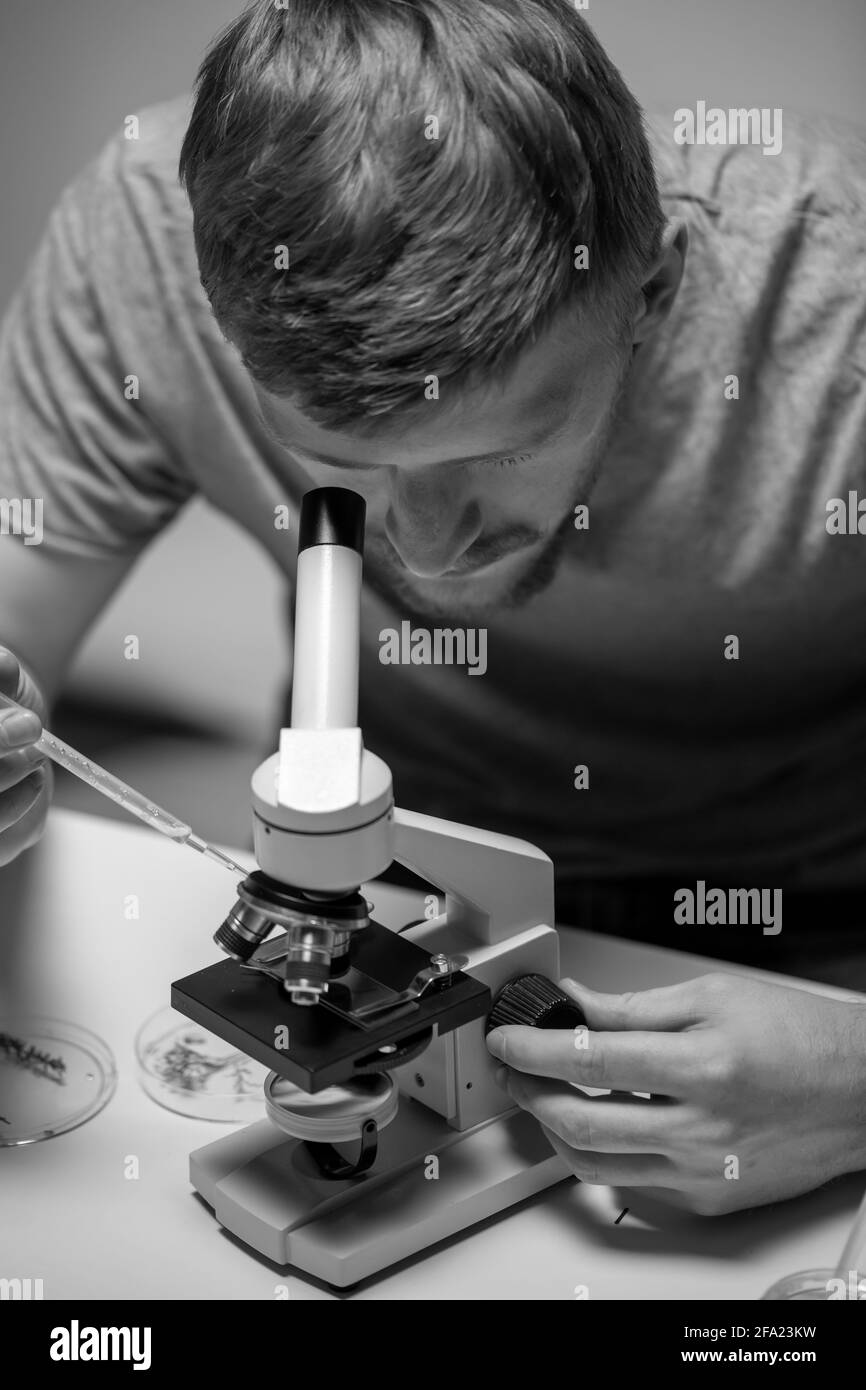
{"x": 496, "y": 887}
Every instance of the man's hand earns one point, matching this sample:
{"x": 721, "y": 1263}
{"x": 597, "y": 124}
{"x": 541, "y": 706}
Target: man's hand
{"x": 25, "y": 780}
{"x": 758, "y": 1092}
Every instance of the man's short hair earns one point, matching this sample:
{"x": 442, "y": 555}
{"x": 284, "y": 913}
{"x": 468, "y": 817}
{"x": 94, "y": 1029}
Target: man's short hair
{"x": 388, "y": 189}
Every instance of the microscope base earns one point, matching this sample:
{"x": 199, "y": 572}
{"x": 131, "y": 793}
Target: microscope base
{"x": 429, "y": 1182}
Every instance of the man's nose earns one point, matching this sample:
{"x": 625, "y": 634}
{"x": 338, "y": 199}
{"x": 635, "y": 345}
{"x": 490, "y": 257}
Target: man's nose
{"x": 429, "y": 524}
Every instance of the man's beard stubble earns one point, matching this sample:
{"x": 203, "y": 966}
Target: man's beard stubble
{"x": 385, "y": 573}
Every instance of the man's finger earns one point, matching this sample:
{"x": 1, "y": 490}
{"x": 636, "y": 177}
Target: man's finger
{"x": 15, "y": 681}
{"x": 595, "y": 1123}
{"x": 665, "y": 1063}
{"x": 18, "y": 729}
{"x": 667, "y": 1009}
{"x": 614, "y": 1170}
{"x": 21, "y": 799}
{"x": 8, "y": 672}
{"x": 14, "y": 767}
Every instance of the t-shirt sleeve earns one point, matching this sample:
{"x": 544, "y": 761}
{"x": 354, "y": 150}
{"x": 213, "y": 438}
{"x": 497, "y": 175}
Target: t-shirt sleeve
{"x": 74, "y": 425}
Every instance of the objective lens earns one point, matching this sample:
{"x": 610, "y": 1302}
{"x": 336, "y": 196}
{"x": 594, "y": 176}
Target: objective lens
{"x": 308, "y": 962}
{"x": 319, "y": 930}
{"x": 243, "y": 931}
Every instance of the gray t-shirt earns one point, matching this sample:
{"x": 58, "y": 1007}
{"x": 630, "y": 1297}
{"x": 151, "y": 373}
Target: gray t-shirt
{"x": 708, "y": 522}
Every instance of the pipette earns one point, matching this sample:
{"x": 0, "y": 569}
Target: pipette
{"x": 132, "y": 801}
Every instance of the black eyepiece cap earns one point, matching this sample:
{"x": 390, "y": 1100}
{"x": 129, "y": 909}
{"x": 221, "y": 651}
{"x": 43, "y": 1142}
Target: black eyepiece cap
{"x": 332, "y": 516}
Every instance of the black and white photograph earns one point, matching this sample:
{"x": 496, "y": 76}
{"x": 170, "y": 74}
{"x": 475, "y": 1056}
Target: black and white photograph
{"x": 432, "y": 670}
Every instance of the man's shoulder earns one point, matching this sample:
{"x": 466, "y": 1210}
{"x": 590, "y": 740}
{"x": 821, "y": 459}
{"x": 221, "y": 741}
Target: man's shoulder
{"x": 125, "y": 227}
{"x": 777, "y": 232}
{"x": 162, "y": 126}
{"x": 739, "y": 162}
{"x": 143, "y": 154}
{"x": 128, "y": 218}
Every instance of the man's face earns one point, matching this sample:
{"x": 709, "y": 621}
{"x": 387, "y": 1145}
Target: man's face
{"x": 470, "y": 503}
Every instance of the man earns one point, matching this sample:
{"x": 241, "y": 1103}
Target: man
{"x": 597, "y": 391}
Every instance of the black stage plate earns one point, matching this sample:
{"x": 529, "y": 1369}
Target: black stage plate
{"x": 246, "y": 1008}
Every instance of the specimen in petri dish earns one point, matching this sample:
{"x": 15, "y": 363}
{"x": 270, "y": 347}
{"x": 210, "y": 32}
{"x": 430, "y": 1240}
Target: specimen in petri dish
{"x": 54, "y": 1076}
{"x": 187, "y": 1069}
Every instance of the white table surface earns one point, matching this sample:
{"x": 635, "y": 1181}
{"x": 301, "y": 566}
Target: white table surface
{"x": 69, "y": 1216}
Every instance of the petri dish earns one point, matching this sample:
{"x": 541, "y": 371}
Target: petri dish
{"x": 815, "y": 1286}
{"x": 54, "y": 1076}
{"x": 187, "y": 1069}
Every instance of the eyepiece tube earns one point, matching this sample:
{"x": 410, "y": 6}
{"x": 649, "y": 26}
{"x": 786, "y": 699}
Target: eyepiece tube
{"x": 328, "y": 610}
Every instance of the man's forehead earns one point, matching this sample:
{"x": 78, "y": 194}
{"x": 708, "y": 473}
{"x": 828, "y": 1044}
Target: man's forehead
{"x": 510, "y": 415}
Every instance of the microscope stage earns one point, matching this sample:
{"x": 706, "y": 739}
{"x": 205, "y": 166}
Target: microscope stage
{"x": 314, "y": 1046}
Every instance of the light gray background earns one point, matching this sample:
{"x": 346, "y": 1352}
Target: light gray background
{"x": 70, "y": 70}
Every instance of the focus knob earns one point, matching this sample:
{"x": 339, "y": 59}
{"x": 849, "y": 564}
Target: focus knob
{"x": 536, "y": 1002}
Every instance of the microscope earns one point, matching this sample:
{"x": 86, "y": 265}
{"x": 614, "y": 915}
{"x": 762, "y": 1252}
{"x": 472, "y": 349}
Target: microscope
{"x": 385, "y": 1131}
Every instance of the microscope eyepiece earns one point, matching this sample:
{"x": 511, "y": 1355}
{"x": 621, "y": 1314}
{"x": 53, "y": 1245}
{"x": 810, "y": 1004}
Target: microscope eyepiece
{"x": 332, "y": 516}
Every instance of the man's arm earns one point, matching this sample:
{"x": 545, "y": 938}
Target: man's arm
{"x": 47, "y": 602}
{"x": 87, "y": 477}
{"x": 78, "y": 451}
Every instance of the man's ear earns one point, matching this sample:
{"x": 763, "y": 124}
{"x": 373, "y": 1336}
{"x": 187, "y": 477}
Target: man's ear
{"x": 659, "y": 290}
